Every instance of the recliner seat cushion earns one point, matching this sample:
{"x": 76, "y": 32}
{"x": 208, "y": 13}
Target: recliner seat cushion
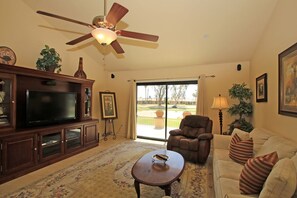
{"x": 189, "y": 144}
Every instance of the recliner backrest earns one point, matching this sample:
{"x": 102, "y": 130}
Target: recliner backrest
{"x": 193, "y": 125}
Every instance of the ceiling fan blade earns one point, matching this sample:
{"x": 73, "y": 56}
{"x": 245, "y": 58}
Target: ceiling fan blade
{"x": 116, "y": 13}
{"x": 117, "y": 47}
{"x": 80, "y": 39}
{"x": 137, "y": 35}
{"x": 64, "y": 18}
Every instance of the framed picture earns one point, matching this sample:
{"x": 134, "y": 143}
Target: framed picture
{"x": 261, "y": 88}
{"x": 287, "y": 81}
{"x": 108, "y": 105}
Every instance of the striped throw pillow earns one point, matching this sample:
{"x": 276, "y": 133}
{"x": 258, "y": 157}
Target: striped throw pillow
{"x": 240, "y": 150}
{"x": 255, "y": 173}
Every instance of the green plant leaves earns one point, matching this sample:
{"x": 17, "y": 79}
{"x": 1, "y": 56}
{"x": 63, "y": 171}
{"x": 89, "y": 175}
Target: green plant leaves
{"x": 243, "y": 109}
{"x": 50, "y": 58}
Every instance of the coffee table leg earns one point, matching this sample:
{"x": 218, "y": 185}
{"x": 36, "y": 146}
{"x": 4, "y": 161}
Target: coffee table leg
{"x": 137, "y": 188}
{"x": 167, "y": 190}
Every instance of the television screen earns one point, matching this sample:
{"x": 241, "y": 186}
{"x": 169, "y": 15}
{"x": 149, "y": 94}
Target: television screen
{"x": 50, "y": 107}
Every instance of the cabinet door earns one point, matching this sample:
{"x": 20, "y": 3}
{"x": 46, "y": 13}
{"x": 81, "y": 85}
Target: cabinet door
{"x": 51, "y": 145}
{"x": 19, "y": 153}
{"x": 90, "y": 135}
{"x": 7, "y": 102}
{"x": 86, "y": 103}
{"x": 73, "y": 138}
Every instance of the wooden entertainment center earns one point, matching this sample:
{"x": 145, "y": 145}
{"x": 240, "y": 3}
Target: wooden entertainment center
{"x": 27, "y": 148}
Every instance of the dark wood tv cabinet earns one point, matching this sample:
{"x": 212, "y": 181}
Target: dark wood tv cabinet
{"x": 24, "y": 148}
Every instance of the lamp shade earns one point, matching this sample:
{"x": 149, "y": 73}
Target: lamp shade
{"x": 220, "y": 103}
{"x": 104, "y": 36}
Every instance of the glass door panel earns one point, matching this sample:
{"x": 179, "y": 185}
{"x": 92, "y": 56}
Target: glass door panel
{"x": 151, "y": 111}
{"x": 51, "y": 144}
{"x": 161, "y": 106}
{"x": 181, "y": 102}
{"x": 6, "y": 100}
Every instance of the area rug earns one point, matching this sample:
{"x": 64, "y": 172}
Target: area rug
{"x": 108, "y": 174}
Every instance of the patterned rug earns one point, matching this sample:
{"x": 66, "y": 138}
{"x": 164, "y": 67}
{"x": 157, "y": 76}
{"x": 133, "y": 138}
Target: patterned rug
{"x": 108, "y": 174}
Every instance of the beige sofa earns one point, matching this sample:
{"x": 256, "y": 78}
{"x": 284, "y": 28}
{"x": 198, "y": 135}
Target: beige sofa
{"x": 281, "y": 182}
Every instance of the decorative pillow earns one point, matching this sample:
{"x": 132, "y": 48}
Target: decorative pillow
{"x": 255, "y": 173}
{"x": 242, "y": 134}
{"x": 281, "y": 182}
{"x": 240, "y": 150}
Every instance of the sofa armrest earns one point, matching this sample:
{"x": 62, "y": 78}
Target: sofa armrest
{"x": 221, "y": 141}
{"x": 175, "y": 132}
{"x": 205, "y": 136}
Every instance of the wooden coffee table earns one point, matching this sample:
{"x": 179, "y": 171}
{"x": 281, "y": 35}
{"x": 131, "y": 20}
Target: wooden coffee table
{"x": 145, "y": 171}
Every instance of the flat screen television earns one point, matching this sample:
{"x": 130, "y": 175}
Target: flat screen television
{"x": 44, "y": 108}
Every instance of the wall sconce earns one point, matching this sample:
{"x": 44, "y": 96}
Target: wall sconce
{"x": 220, "y": 103}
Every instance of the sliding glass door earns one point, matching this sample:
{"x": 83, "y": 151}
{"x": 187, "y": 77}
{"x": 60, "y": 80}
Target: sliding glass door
{"x": 162, "y": 105}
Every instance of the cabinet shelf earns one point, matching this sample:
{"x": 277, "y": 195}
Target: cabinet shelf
{"x": 51, "y": 143}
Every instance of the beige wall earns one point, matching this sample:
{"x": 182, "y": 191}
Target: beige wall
{"x": 280, "y": 34}
{"x": 26, "y": 33}
{"x": 226, "y": 74}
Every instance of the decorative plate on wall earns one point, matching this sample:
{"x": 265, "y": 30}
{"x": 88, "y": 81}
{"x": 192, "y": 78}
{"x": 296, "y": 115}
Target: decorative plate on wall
{"x": 7, "y": 56}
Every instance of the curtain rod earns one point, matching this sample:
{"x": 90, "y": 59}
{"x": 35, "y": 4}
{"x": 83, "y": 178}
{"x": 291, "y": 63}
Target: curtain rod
{"x": 209, "y": 76}
{"x": 212, "y": 76}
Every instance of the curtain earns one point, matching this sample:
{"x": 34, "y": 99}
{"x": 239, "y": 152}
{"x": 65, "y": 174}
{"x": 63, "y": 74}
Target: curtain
{"x": 131, "y": 133}
{"x": 200, "y": 98}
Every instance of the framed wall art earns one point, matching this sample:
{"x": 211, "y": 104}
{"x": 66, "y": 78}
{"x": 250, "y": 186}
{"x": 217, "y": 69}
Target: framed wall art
{"x": 261, "y": 88}
{"x": 108, "y": 105}
{"x": 287, "y": 82}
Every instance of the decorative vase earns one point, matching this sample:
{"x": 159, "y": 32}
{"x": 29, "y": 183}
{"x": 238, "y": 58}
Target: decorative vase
{"x": 80, "y": 72}
{"x": 159, "y": 113}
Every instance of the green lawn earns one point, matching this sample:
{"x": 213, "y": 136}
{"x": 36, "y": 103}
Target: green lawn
{"x": 174, "y": 123}
{"x": 149, "y": 109}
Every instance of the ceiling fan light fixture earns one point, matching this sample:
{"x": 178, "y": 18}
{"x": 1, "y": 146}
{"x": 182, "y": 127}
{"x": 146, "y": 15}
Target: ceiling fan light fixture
{"x": 104, "y": 36}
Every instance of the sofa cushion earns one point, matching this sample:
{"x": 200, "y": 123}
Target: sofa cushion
{"x": 280, "y": 182}
{"x": 240, "y": 150}
{"x": 227, "y": 186}
{"x": 221, "y": 154}
{"x": 260, "y": 136}
{"x": 284, "y": 147}
{"x": 227, "y": 169}
{"x": 255, "y": 172}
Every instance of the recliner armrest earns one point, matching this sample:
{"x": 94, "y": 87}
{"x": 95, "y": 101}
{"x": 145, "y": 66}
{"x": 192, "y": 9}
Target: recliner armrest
{"x": 205, "y": 136}
{"x": 175, "y": 132}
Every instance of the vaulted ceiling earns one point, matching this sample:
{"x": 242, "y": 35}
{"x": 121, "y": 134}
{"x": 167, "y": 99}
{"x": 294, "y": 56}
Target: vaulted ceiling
{"x": 191, "y": 32}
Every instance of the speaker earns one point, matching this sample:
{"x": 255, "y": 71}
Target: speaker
{"x": 238, "y": 67}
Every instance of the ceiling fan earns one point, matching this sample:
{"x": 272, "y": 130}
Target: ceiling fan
{"x": 104, "y": 28}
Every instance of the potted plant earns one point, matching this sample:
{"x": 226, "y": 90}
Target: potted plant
{"x": 243, "y": 109}
{"x": 50, "y": 60}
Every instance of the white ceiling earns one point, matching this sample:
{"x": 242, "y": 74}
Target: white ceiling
{"x": 191, "y": 32}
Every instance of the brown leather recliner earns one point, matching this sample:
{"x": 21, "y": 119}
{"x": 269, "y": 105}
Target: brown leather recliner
{"x": 192, "y": 139}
